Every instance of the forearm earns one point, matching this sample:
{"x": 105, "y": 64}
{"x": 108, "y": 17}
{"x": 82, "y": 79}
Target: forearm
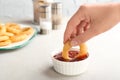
{"x": 116, "y": 10}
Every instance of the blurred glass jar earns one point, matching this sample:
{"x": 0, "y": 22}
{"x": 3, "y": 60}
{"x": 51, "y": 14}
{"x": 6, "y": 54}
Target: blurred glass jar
{"x": 56, "y": 15}
{"x": 36, "y": 4}
{"x": 45, "y": 18}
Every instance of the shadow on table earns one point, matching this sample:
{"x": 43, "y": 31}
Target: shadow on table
{"x": 27, "y": 21}
{"x": 6, "y": 51}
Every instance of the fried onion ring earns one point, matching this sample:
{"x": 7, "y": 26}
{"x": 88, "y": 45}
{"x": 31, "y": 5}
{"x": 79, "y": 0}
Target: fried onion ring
{"x": 13, "y": 28}
{"x": 8, "y": 34}
{"x": 83, "y": 50}
{"x": 5, "y": 43}
{"x": 14, "y": 25}
{"x": 27, "y": 30}
{"x": 66, "y": 48}
{"x": 18, "y": 38}
{"x": 3, "y": 38}
{"x": 2, "y": 29}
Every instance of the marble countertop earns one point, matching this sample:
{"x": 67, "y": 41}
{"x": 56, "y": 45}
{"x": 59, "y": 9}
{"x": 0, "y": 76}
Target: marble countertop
{"x": 33, "y": 61}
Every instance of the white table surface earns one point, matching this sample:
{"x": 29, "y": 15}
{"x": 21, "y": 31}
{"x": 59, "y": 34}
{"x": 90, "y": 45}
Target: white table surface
{"x": 33, "y": 61}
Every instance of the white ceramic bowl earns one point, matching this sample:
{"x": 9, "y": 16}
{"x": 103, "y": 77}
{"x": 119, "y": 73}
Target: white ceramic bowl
{"x": 69, "y": 68}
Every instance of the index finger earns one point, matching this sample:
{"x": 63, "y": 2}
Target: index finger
{"x": 72, "y": 24}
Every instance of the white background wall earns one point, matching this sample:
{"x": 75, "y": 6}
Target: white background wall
{"x": 24, "y": 8}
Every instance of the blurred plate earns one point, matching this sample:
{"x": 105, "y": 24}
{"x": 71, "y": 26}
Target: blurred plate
{"x": 21, "y": 43}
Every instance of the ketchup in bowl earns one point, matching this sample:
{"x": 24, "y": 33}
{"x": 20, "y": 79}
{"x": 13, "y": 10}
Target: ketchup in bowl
{"x": 72, "y": 54}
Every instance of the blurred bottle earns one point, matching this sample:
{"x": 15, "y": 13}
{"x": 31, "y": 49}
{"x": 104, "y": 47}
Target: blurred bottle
{"x": 56, "y": 15}
{"x": 36, "y": 11}
{"x": 45, "y": 18}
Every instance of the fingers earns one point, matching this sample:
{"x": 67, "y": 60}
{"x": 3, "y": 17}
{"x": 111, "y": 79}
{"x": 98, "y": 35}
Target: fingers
{"x": 82, "y": 38}
{"x": 81, "y": 29}
{"x": 87, "y": 26}
{"x": 72, "y": 24}
{"x": 73, "y": 33}
{"x": 83, "y": 26}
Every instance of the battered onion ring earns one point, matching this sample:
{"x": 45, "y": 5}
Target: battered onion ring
{"x": 14, "y": 25}
{"x": 3, "y": 38}
{"x": 5, "y": 43}
{"x": 83, "y": 50}
{"x": 2, "y": 29}
{"x": 18, "y": 38}
{"x": 13, "y": 28}
{"x": 27, "y": 30}
{"x": 66, "y": 48}
{"x": 8, "y": 34}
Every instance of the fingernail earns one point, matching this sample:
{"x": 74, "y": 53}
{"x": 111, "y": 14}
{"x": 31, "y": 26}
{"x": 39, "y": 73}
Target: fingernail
{"x": 74, "y": 43}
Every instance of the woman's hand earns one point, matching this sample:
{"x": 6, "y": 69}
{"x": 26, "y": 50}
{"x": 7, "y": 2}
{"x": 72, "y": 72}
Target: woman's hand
{"x": 91, "y": 20}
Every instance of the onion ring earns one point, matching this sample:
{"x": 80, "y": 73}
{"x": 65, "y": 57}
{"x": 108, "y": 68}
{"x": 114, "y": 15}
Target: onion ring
{"x": 8, "y": 34}
{"x": 3, "y": 38}
{"x": 6, "y": 42}
{"x": 83, "y": 50}
{"x": 66, "y": 48}
{"x": 27, "y": 30}
{"x": 13, "y": 28}
{"x": 14, "y": 25}
{"x": 18, "y": 38}
{"x": 2, "y": 29}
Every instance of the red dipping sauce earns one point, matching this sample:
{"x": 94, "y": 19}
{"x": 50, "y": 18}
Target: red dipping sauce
{"x": 72, "y": 54}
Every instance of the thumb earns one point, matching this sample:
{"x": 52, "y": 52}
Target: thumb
{"x": 82, "y": 38}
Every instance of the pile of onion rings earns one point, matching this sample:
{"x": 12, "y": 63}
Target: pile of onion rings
{"x": 67, "y": 47}
{"x": 12, "y": 32}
